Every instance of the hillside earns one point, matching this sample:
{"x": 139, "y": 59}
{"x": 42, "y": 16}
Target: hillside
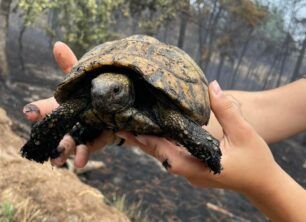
{"x": 34, "y": 192}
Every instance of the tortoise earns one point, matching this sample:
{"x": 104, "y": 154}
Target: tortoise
{"x": 137, "y": 84}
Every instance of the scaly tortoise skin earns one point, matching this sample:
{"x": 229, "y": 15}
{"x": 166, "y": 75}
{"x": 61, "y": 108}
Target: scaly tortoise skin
{"x": 136, "y": 84}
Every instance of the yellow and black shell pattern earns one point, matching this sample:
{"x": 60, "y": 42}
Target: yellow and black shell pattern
{"x": 165, "y": 67}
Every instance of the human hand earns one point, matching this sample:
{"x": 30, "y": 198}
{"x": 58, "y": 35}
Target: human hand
{"x": 247, "y": 160}
{"x": 38, "y": 109}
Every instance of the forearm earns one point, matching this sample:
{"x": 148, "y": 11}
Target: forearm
{"x": 281, "y": 198}
{"x": 275, "y": 114}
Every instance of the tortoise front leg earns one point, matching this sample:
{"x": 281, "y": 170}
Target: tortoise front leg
{"x": 47, "y": 133}
{"x": 191, "y": 135}
{"x": 82, "y": 133}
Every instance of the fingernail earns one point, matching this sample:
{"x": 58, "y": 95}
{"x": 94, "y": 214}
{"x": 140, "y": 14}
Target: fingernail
{"x": 58, "y": 42}
{"x": 31, "y": 111}
{"x": 60, "y": 149}
{"x": 56, "y": 153}
{"x": 216, "y": 88}
{"x": 166, "y": 164}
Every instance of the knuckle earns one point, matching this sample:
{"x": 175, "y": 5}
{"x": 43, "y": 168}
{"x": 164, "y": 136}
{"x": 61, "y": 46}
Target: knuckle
{"x": 229, "y": 105}
{"x": 68, "y": 142}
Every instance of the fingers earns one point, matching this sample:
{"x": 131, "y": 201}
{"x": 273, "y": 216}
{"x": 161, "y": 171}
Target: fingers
{"x": 37, "y": 110}
{"x": 81, "y": 156}
{"x": 66, "y": 147}
{"x": 227, "y": 111}
{"x": 175, "y": 159}
{"x": 82, "y": 152}
{"x": 64, "y": 56}
{"x": 104, "y": 139}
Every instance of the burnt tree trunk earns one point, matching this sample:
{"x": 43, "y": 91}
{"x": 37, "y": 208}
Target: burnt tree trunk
{"x": 182, "y": 32}
{"x": 135, "y": 21}
{"x": 242, "y": 54}
{"x": 220, "y": 66}
{"x": 166, "y": 31}
{"x": 5, "y": 6}
{"x": 299, "y": 61}
{"x": 281, "y": 71}
{"x": 184, "y": 16}
{"x": 20, "y": 45}
{"x": 209, "y": 22}
{"x": 53, "y": 23}
{"x": 212, "y": 31}
{"x": 285, "y": 54}
{"x": 201, "y": 42}
{"x": 304, "y": 140}
{"x": 183, "y": 27}
{"x": 250, "y": 71}
{"x": 268, "y": 74}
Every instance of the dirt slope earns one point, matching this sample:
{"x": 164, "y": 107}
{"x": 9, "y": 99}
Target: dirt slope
{"x": 43, "y": 193}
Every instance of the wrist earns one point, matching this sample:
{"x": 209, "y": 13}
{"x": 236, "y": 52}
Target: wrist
{"x": 266, "y": 185}
{"x": 278, "y": 197}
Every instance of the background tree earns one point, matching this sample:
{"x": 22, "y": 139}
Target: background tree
{"x": 299, "y": 30}
{"x": 273, "y": 35}
{"x": 248, "y": 15}
{"x": 299, "y": 61}
{"x": 5, "y": 6}
{"x": 154, "y": 14}
{"x": 82, "y": 23}
{"x": 184, "y": 17}
{"x": 243, "y": 43}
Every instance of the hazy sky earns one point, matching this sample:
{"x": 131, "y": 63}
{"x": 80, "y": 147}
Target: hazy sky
{"x": 285, "y": 4}
{"x": 300, "y": 13}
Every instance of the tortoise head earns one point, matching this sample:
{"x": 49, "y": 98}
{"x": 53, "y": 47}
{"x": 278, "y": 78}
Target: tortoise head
{"x": 112, "y": 92}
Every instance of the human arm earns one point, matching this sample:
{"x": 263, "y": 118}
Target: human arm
{"x": 249, "y": 167}
{"x": 282, "y": 199}
{"x": 275, "y": 114}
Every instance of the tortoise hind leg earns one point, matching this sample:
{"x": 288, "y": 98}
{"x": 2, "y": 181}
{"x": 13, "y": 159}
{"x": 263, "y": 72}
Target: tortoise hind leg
{"x": 191, "y": 135}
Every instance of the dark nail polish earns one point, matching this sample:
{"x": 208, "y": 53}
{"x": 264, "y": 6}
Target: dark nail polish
{"x": 166, "y": 164}
{"x": 60, "y": 149}
{"x": 31, "y": 108}
{"x": 55, "y": 153}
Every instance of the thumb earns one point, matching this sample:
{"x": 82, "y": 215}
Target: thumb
{"x": 64, "y": 56}
{"x": 227, "y": 111}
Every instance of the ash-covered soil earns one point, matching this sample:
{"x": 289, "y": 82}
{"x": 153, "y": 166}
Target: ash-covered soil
{"x": 163, "y": 197}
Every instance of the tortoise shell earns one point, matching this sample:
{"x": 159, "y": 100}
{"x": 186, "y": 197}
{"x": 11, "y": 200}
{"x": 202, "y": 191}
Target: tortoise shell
{"x": 165, "y": 67}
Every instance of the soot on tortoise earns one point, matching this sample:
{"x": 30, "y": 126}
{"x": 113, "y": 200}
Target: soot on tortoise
{"x": 137, "y": 84}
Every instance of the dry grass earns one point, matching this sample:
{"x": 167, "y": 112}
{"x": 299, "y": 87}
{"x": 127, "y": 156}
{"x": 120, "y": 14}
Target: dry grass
{"x": 131, "y": 210}
{"x": 18, "y": 209}
{"x": 6, "y": 212}
{"x": 31, "y": 192}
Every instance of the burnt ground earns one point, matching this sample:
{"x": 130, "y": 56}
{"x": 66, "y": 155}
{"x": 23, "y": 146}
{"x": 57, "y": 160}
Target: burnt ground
{"x": 163, "y": 197}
